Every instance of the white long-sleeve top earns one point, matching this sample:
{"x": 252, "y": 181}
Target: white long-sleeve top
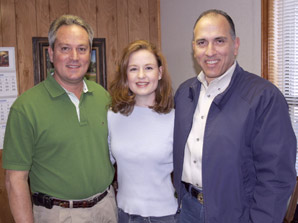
{"x": 142, "y": 145}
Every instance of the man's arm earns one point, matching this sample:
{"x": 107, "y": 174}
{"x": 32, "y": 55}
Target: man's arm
{"x": 19, "y": 195}
{"x": 274, "y": 154}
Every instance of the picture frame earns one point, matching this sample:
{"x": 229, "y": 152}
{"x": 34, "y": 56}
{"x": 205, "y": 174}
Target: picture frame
{"x": 7, "y": 59}
{"x": 43, "y": 66}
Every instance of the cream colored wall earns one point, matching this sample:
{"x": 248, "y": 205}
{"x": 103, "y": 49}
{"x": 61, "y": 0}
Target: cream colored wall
{"x": 178, "y": 17}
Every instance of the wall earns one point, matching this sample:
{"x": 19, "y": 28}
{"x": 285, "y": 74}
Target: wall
{"x": 178, "y": 18}
{"x": 119, "y": 21}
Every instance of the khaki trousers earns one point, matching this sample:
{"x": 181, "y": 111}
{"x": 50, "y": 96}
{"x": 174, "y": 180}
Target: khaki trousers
{"x": 104, "y": 211}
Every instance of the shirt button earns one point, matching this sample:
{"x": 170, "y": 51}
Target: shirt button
{"x": 197, "y": 139}
{"x": 194, "y": 161}
{"x": 218, "y": 89}
{"x": 202, "y": 117}
{"x": 208, "y": 96}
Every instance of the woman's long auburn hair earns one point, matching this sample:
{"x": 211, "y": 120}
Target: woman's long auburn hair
{"x": 123, "y": 99}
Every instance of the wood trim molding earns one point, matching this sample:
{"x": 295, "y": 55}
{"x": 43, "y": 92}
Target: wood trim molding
{"x": 292, "y": 205}
{"x": 264, "y": 37}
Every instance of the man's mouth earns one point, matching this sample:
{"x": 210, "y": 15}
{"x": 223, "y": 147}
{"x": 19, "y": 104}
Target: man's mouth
{"x": 211, "y": 62}
{"x": 73, "y": 66}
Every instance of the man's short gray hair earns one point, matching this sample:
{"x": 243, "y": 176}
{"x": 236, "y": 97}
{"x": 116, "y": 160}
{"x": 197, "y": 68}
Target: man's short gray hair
{"x": 68, "y": 20}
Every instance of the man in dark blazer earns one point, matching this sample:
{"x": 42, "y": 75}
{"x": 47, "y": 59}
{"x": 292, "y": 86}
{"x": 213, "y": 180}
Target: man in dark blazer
{"x": 234, "y": 146}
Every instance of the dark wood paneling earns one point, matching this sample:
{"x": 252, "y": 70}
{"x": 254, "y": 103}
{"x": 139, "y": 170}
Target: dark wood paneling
{"x": 138, "y": 20}
{"x": 1, "y": 31}
{"x": 154, "y": 23}
{"x": 8, "y": 23}
{"x": 42, "y": 17}
{"x": 122, "y": 22}
{"x": 85, "y": 9}
{"x": 26, "y": 28}
{"x": 58, "y": 8}
{"x": 8, "y": 28}
{"x": 107, "y": 28}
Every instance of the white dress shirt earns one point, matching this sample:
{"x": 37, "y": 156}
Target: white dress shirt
{"x": 192, "y": 166}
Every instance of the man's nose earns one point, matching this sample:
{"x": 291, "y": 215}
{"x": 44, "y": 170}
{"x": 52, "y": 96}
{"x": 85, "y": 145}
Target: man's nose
{"x": 210, "y": 50}
{"x": 74, "y": 54}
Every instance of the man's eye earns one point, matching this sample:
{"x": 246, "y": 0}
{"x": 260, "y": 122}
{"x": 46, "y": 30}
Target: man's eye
{"x": 220, "y": 41}
{"x": 82, "y": 50}
{"x": 201, "y": 43}
{"x": 65, "y": 49}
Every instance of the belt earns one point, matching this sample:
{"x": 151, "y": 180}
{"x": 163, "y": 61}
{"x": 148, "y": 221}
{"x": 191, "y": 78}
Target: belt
{"x": 46, "y": 201}
{"x": 194, "y": 192}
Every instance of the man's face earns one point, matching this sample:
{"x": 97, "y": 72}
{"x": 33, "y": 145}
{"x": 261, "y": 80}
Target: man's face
{"x": 214, "y": 48}
{"x": 71, "y": 55}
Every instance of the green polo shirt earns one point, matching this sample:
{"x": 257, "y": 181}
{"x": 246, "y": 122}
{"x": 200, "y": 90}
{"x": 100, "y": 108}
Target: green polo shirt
{"x": 67, "y": 158}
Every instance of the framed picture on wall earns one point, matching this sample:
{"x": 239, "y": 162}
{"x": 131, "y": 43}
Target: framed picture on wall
{"x": 7, "y": 59}
{"x": 43, "y": 66}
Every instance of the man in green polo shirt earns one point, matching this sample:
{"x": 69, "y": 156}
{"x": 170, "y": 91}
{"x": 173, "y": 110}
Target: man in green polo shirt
{"x": 56, "y": 136}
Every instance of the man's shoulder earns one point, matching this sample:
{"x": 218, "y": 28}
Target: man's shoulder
{"x": 251, "y": 85}
{"x": 93, "y": 86}
{"x": 189, "y": 89}
{"x": 191, "y": 82}
{"x": 251, "y": 80}
{"x": 98, "y": 92}
{"x": 188, "y": 83}
{"x": 31, "y": 95}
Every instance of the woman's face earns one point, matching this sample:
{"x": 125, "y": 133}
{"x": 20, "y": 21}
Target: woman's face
{"x": 143, "y": 75}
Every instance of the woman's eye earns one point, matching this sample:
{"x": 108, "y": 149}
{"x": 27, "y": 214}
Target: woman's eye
{"x": 132, "y": 69}
{"x": 149, "y": 68}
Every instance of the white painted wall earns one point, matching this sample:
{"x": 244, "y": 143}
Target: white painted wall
{"x": 178, "y": 18}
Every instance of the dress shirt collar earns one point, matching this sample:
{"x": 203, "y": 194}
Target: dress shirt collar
{"x": 222, "y": 81}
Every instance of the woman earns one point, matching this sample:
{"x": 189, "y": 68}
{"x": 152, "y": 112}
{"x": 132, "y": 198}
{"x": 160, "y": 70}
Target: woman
{"x": 141, "y": 123}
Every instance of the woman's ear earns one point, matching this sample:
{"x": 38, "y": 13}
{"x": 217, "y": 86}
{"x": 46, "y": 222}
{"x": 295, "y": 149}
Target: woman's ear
{"x": 160, "y": 72}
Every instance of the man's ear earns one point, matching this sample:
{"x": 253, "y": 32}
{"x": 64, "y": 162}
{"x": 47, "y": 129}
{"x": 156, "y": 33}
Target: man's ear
{"x": 236, "y": 45}
{"x": 50, "y": 53}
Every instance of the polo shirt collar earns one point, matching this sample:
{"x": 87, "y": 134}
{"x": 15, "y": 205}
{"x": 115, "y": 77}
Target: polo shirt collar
{"x": 56, "y": 90}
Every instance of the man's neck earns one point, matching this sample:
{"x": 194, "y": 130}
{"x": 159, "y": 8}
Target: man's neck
{"x": 76, "y": 88}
